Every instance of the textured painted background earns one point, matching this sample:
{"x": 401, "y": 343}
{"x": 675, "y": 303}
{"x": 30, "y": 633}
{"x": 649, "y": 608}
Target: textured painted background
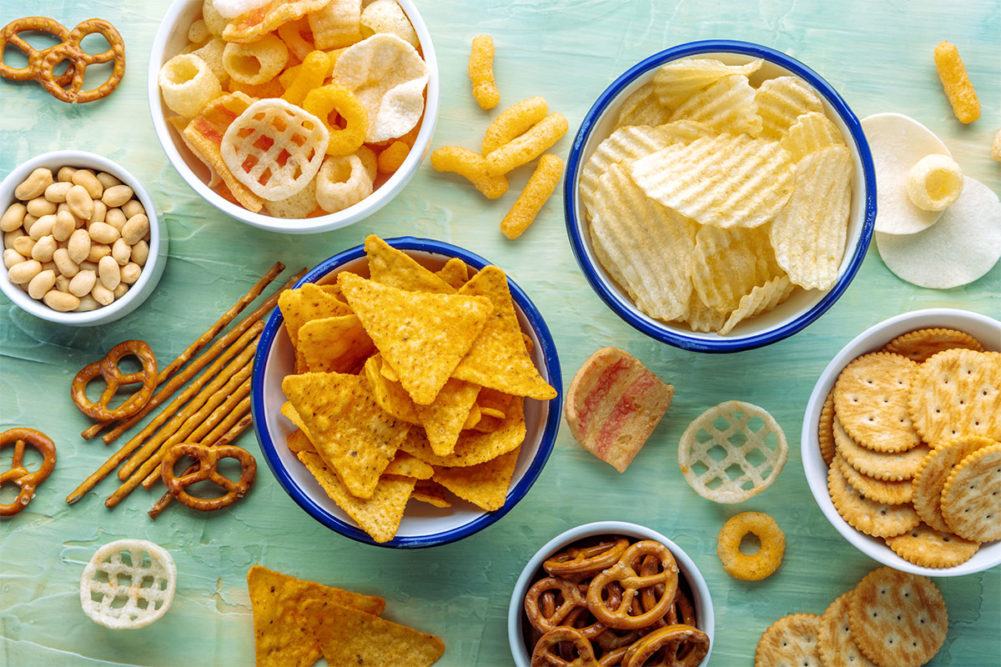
{"x": 878, "y": 55}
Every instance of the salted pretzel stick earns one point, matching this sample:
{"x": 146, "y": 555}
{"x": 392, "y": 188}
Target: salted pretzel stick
{"x": 241, "y": 409}
{"x": 116, "y": 459}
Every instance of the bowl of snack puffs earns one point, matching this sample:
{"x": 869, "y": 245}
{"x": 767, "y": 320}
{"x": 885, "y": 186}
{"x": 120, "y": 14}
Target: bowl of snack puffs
{"x": 297, "y": 116}
{"x": 720, "y": 196}
{"x": 406, "y": 393}
{"x": 902, "y": 442}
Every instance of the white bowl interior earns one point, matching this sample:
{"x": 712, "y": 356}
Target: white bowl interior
{"x": 801, "y": 300}
{"x": 171, "y": 39}
{"x": 985, "y": 329}
{"x": 420, "y": 519}
{"x": 533, "y": 571}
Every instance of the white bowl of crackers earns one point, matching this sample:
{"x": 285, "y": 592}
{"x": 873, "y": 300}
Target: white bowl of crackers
{"x": 720, "y": 196}
{"x": 405, "y": 393}
{"x": 902, "y": 442}
{"x": 295, "y": 117}
{"x": 81, "y": 239}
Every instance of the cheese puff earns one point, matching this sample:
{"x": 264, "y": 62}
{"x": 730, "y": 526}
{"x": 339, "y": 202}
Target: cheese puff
{"x": 531, "y": 200}
{"x": 481, "y": 72}
{"x": 309, "y": 75}
{"x": 321, "y": 102}
{"x": 956, "y": 83}
{"x": 530, "y": 145}
{"x": 512, "y": 122}
{"x": 471, "y": 166}
{"x": 392, "y": 157}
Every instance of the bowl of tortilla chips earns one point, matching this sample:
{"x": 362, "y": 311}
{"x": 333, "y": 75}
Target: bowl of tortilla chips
{"x": 406, "y": 393}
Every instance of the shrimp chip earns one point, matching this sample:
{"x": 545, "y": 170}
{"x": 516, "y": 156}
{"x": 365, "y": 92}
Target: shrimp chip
{"x": 187, "y": 84}
{"x": 336, "y": 25}
{"x": 257, "y": 62}
{"x": 386, "y": 16}
{"x": 253, "y": 25}
{"x": 343, "y": 181}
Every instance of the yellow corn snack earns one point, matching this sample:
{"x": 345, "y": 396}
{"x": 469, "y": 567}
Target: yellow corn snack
{"x": 531, "y": 200}
{"x": 392, "y": 157}
{"x": 470, "y": 165}
{"x": 956, "y": 83}
{"x": 513, "y": 121}
{"x": 309, "y": 75}
{"x": 481, "y": 72}
{"x": 322, "y": 101}
{"x": 530, "y": 145}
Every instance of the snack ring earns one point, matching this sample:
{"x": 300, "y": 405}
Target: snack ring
{"x": 18, "y": 474}
{"x": 343, "y": 181}
{"x": 43, "y": 63}
{"x": 547, "y": 649}
{"x": 684, "y": 645}
{"x": 146, "y": 584}
{"x": 583, "y": 562}
{"x": 750, "y": 567}
{"x": 113, "y": 376}
{"x": 545, "y": 611}
{"x": 622, "y": 614}
{"x": 208, "y": 459}
{"x": 321, "y": 102}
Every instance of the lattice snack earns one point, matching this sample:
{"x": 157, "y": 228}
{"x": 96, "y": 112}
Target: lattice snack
{"x": 709, "y": 474}
{"x": 128, "y": 584}
{"x": 275, "y": 148}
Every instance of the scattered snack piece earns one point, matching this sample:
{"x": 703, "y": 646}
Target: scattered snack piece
{"x": 108, "y": 368}
{"x": 934, "y": 182}
{"x": 956, "y": 83}
{"x": 531, "y": 200}
{"x": 762, "y": 563}
{"x": 613, "y": 405}
{"x": 871, "y": 398}
{"x": 837, "y": 649}
{"x": 207, "y": 459}
{"x": 17, "y": 474}
{"x": 710, "y": 477}
{"x": 791, "y": 640}
{"x": 481, "y": 72}
{"x": 971, "y": 497}
{"x": 922, "y": 344}
{"x": 128, "y": 584}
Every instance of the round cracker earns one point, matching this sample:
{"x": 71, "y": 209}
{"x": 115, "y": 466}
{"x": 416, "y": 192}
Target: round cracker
{"x": 898, "y": 618}
{"x": 928, "y": 547}
{"x": 922, "y": 344}
{"x": 872, "y": 518}
{"x": 957, "y": 392}
{"x": 825, "y": 429}
{"x": 935, "y": 470}
{"x": 971, "y": 497}
{"x": 790, "y": 641}
{"x": 881, "y": 465}
{"x": 882, "y": 491}
{"x": 871, "y": 400}
{"x": 837, "y": 649}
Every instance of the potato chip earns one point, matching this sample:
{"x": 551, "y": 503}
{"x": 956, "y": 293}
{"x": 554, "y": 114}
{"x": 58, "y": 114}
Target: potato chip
{"x": 498, "y": 358}
{"x": 760, "y": 299}
{"x": 386, "y": 16}
{"x": 485, "y": 484}
{"x": 422, "y": 336}
{"x": 333, "y": 344}
{"x": 431, "y": 493}
{"x": 352, "y": 434}
{"x": 306, "y": 303}
{"x": 809, "y": 233}
{"x": 298, "y": 40}
{"x": 726, "y": 106}
{"x": 702, "y": 318}
{"x": 446, "y": 416}
{"x": 253, "y": 25}
{"x": 811, "y": 132}
{"x": 214, "y": 21}
{"x": 643, "y": 107}
{"x": 625, "y": 143}
{"x": 725, "y": 181}
{"x": 678, "y": 80}
{"x": 729, "y": 263}
{"x": 257, "y": 62}
{"x": 473, "y": 447}
{"x": 781, "y": 101}
{"x": 407, "y": 465}
{"x": 389, "y": 266}
{"x": 336, "y": 25}
{"x": 230, "y": 9}
{"x": 455, "y": 272}
{"x": 187, "y": 84}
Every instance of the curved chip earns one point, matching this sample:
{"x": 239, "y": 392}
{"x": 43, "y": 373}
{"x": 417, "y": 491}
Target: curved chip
{"x": 781, "y": 101}
{"x": 727, "y": 105}
{"x": 729, "y": 263}
{"x": 811, "y": 132}
{"x": 678, "y": 80}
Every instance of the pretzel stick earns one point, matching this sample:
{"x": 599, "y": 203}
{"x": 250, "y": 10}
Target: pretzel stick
{"x": 116, "y": 459}
{"x": 242, "y": 408}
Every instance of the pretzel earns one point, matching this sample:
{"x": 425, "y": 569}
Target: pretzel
{"x": 113, "y": 376}
{"x": 579, "y": 563}
{"x": 18, "y": 474}
{"x": 684, "y": 645}
{"x": 11, "y": 34}
{"x": 622, "y": 615}
{"x": 543, "y": 654}
{"x": 208, "y": 459}
{"x": 541, "y": 608}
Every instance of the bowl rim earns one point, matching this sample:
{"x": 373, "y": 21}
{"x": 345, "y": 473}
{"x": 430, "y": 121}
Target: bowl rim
{"x": 323, "y": 223}
{"x": 694, "y": 576}
{"x": 575, "y": 225}
{"x": 515, "y": 493}
{"x": 151, "y": 271}
{"x": 809, "y": 447}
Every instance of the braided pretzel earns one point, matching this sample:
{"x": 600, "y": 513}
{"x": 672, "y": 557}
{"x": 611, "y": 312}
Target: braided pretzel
{"x": 622, "y": 615}
{"x": 113, "y": 376}
{"x": 683, "y": 645}
{"x": 555, "y": 638}
{"x": 208, "y": 460}
{"x": 583, "y": 562}
{"x": 18, "y": 474}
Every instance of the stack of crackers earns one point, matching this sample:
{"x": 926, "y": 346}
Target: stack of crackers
{"x": 912, "y": 437}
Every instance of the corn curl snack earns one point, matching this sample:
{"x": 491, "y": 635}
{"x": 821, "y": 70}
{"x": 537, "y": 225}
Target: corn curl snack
{"x": 308, "y": 75}
{"x": 513, "y": 121}
{"x": 471, "y": 166}
{"x": 531, "y": 200}
{"x": 956, "y": 83}
{"x": 342, "y": 182}
{"x": 321, "y": 102}
{"x": 257, "y": 62}
{"x": 187, "y": 84}
{"x": 294, "y": 35}
{"x": 392, "y": 157}
{"x": 481, "y": 73}
{"x": 528, "y": 146}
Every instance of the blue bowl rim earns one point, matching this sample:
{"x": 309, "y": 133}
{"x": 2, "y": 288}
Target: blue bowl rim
{"x": 575, "y": 228}
{"x": 514, "y": 495}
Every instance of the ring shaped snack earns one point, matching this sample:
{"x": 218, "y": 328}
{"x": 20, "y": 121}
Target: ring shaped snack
{"x": 208, "y": 460}
{"x": 44, "y": 63}
{"x": 127, "y": 593}
{"x": 583, "y": 562}
{"x": 11, "y": 34}
{"x": 684, "y": 646}
{"x": 321, "y": 102}
{"x": 751, "y": 567}
{"x": 18, "y": 474}
{"x": 548, "y": 650}
{"x": 113, "y": 376}
{"x": 624, "y": 615}
{"x": 551, "y": 601}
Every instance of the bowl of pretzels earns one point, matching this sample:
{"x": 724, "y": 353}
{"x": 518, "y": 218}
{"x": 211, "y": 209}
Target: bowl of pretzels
{"x": 611, "y": 591}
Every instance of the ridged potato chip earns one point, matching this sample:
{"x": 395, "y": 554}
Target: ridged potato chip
{"x": 760, "y": 299}
{"x": 811, "y": 132}
{"x": 727, "y": 106}
{"x": 729, "y": 263}
{"x": 781, "y": 101}
{"x": 678, "y": 80}
{"x": 643, "y": 107}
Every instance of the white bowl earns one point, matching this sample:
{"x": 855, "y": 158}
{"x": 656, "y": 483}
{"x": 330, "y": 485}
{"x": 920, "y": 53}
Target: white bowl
{"x": 171, "y": 38}
{"x": 422, "y": 525}
{"x": 533, "y": 571}
{"x": 158, "y": 242}
{"x": 804, "y": 306}
{"x": 987, "y": 331}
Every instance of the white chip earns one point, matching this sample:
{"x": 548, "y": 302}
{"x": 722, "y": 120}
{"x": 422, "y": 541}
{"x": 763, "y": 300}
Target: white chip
{"x": 387, "y": 16}
{"x": 128, "y": 584}
{"x": 727, "y": 106}
{"x": 678, "y": 80}
{"x": 781, "y": 101}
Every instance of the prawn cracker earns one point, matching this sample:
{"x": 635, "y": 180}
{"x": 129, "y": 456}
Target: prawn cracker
{"x": 971, "y": 497}
{"x": 837, "y": 649}
{"x": 928, "y": 547}
{"x": 869, "y": 516}
{"x": 871, "y": 400}
{"x": 790, "y": 641}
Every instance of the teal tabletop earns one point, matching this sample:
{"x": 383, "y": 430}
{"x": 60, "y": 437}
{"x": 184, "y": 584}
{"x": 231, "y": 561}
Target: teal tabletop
{"x": 877, "y": 55}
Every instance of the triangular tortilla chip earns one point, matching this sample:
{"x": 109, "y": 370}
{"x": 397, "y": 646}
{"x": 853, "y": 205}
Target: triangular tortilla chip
{"x": 389, "y": 266}
{"x": 390, "y": 396}
{"x": 309, "y": 302}
{"x": 407, "y": 465}
{"x": 422, "y": 336}
{"x": 455, "y": 272}
{"x": 498, "y": 358}
{"x": 472, "y": 447}
{"x": 355, "y": 437}
{"x": 447, "y": 415}
{"x": 432, "y": 493}
{"x": 298, "y": 441}
{"x": 485, "y": 485}
{"x": 333, "y": 344}
{"x": 281, "y": 634}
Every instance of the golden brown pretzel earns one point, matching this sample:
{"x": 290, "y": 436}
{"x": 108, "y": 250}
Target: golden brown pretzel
{"x": 544, "y": 655}
{"x": 18, "y": 474}
{"x": 546, "y": 610}
{"x": 113, "y": 376}
{"x": 582, "y": 562}
{"x": 208, "y": 459}
{"x": 621, "y": 613}
{"x": 684, "y": 645}
{"x": 11, "y": 34}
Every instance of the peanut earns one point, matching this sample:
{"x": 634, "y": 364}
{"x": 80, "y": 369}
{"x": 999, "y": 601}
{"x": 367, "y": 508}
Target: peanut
{"x": 23, "y": 244}
{"x": 66, "y": 266}
{"x": 102, "y": 294}
{"x": 115, "y": 217}
{"x": 64, "y": 225}
{"x": 80, "y": 202}
{"x": 34, "y": 185}
{"x": 116, "y": 195}
{"x": 88, "y": 180}
{"x": 13, "y": 217}
{"x": 79, "y": 245}
{"x": 120, "y": 291}
{"x": 109, "y": 272}
{"x": 21, "y": 274}
{"x": 12, "y": 257}
{"x": 135, "y": 229}
{"x": 65, "y": 174}
{"x": 44, "y": 248}
{"x": 121, "y": 251}
{"x": 60, "y": 301}
{"x": 56, "y": 193}
{"x": 102, "y": 232}
{"x": 107, "y": 180}
{"x": 97, "y": 251}
{"x": 132, "y": 208}
{"x": 40, "y": 206}
{"x": 131, "y": 273}
{"x": 42, "y": 226}
{"x": 100, "y": 212}
{"x": 62, "y": 282}
{"x": 140, "y": 253}
{"x": 82, "y": 283}
{"x": 41, "y": 283}
{"x": 87, "y": 303}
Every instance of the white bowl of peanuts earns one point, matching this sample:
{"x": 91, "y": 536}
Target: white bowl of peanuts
{"x": 337, "y": 179}
{"x": 82, "y": 241}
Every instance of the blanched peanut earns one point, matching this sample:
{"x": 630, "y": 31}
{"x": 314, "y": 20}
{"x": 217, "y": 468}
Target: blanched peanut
{"x": 61, "y": 301}
{"x": 34, "y": 185}
{"x": 98, "y": 251}
{"x": 102, "y": 232}
{"x": 80, "y": 202}
{"x": 41, "y": 283}
{"x": 82, "y": 283}
{"x": 88, "y": 266}
{"x": 12, "y": 257}
{"x": 66, "y": 266}
{"x": 132, "y": 207}
{"x": 56, "y": 193}
{"x": 64, "y": 226}
{"x": 115, "y": 217}
{"x": 116, "y": 195}
{"x": 42, "y": 226}
{"x": 44, "y": 248}
{"x": 131, "y": 273}
{"x": 122, "y": 252}
{"x": 102, "y": 294}
{"x": 135, "y": 229}
{"x": 65, "y": 174}
{"x": 13, "y": 217}
{"x": 88, "y": 180}
{"x": 40, "y": 206}
{"x": 120, "y": 291}
{"x": 24, "y": 244}
{"x": 107, "y": 180}
{"x": 140, "y": 253}
{"x": 87, "y": 303}
{"x": 79, "y": 245}
{"x": 21, "y": 274}
{"x": 10, "y": 237}
{"x": 62, "y": 283}
{"x": 100, "y": 211}
{"x": 109, "y": 273}
{"x": 29, "y": 220}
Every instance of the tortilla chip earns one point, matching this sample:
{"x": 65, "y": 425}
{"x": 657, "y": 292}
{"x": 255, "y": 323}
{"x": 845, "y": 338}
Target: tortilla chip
{"x": 309, "y": 302}
{"x": 333, "y": 344}
{"x": 350, "y": 637}
{"x": 485, "y": 485}
{"x": 390, "y": 396}
{"x": 432, "y": 493}
{"x": 473, "y": 418}
{"x": 406, "y": 465}
{"x": 422, "y": 336}
{"x": 472, "y": 447}
{"x": 455, "y": 272}
{"x": 488, "y": 423}
{"x": 298, "y": 441}
{"x": 446, "y": 416}
{"x": 352, "y": 434}
{"x": 281, "y": 634}
{"x": 380, "y": 514}
{"x": 389, "y": 266}
{"x": 498, "y": 358}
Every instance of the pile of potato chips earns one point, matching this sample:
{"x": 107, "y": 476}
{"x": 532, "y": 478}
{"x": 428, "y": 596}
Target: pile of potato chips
{"x": 713, "y": 200}
{"x": 408, "y": 383}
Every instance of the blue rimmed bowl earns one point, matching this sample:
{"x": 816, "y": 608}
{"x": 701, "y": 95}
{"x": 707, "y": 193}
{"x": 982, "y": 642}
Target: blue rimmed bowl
{"x": 804, "y": 306}
{"x": 422, "y": 525}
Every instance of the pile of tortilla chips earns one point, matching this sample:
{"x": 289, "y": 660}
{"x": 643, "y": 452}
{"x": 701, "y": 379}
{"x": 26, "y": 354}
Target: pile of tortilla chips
{"x": 409, "y": 382}
{"x": 296, "y": 621}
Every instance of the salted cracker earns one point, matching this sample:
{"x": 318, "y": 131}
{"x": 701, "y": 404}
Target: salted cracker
{"x": 881, "y": 465}
{"x": 933, "y": 474}
{"x": 837, "y": 649}
{"x": 881, "y": 491}
{"x": 825, "y": 429}
{"x": 922, "y": 344}
{"x": 871, "y": 399}
{"x": 957, "y": 392}
{"x": 971, "y": 497}
{"x": 927, "y": 547}
{"x": 869, "y": 516}
{"x": 791, "y": 641}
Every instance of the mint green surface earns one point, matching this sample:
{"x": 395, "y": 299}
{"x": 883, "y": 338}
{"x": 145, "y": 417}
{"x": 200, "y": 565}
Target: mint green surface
{"x": 878, "y": 55}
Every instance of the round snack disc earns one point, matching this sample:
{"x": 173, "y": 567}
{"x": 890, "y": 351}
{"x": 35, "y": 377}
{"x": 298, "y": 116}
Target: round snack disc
{"x": 898, "y": 618}
{"x": 881, "y": 465}
{"x": 790, "y": 641}
{"x": 928, "y": 547}
{"x": 872, "y": 518}
{"x": 825, "y": 429}
{"x": 871, "y": 400}
{"x": 882, "y": 491}
{"x": 128, "y": 584}
{"x": 971, "y": 498}
{"x": 837, "y": 649}
{"x": 922, "y": 344}
{"x": 935, "y": 470}
{"x": 957, "y": 392}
